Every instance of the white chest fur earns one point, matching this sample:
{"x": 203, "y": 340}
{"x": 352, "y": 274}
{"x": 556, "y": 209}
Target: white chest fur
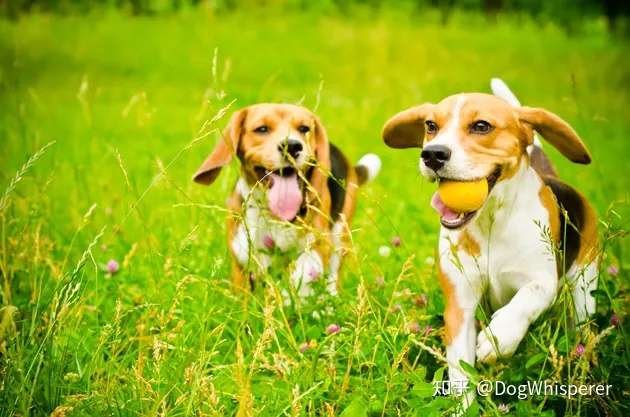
{"x": 258, "y": 232}
{"x": 512, "y": 235}
{"x": 510, "y": 261}
{"x": 258, "y": 229}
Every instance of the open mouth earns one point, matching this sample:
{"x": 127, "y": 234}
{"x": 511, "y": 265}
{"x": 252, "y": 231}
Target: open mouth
{"x": 453, "y": 219}
{"x": 284, "y": 194}
{"x": 266, "y": 175}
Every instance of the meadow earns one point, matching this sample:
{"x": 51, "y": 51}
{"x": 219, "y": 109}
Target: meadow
{"x": 105, "y": 117}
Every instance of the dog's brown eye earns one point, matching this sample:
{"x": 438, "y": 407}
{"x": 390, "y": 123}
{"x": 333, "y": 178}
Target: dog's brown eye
{"x": 303, "y": 129}
{"x": 432, "y": 127}
{"x": 481, "y": 127}
{"x": 262, "y": 129}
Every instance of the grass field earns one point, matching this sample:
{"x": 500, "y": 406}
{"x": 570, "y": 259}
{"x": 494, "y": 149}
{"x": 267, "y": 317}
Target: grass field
{"x": 118, "y": 104}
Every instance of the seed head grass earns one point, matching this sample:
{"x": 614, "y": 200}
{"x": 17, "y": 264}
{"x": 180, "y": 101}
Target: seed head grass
{"x": 114, "y": 267}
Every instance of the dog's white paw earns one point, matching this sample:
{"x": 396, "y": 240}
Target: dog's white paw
{"x": 309, "y": 267}
{"x": 501, "y": 337}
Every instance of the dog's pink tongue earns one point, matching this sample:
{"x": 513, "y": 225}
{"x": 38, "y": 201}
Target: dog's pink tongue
{"x": 439, "y": 206}
{"x": 284, "y": 196}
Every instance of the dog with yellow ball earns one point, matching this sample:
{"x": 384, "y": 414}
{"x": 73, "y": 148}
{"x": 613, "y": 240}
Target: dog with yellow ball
{"x": 499, "y": 200}
{"x": 463, "y": 196}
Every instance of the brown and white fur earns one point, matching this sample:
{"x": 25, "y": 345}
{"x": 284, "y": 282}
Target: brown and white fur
{"x": 499, "y": 251}
{"x": 286, "y": 146}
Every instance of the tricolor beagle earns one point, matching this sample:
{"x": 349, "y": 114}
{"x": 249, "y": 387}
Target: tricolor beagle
{"x": 296, "y": 190}
{"x": 516, "y": 246}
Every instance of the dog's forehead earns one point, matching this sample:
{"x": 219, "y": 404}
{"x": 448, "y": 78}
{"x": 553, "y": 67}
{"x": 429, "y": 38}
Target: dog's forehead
{"x": 277, "y": 112}
{"x": 475, "y": 105}
{"x": 448, "y": 104}
{"x": 488, "y": 104}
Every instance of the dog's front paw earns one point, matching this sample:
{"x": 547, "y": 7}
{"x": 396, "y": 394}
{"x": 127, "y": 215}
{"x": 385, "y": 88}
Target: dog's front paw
{"x": 501, "y": 337}
{"x": 309, "y": 267}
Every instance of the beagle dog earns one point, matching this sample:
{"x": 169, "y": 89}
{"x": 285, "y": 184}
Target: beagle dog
{"x": 296, "y": 191}
{"x": 531, "y": 229}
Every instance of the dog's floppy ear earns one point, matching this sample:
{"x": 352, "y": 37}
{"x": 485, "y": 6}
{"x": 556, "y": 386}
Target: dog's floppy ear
{"x": 406, "y": 129}
{"x": 222, "y": 153}
{"x": 322, "y": 154}
{"x": 319, "y": 179}
{"x": 557, "y": 132}
{"x": 322, "y": 147}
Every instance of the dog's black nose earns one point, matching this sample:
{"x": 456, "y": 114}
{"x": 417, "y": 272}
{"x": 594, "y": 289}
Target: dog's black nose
{"x": 435, "y": 156}
{"x": 291, "y": 146}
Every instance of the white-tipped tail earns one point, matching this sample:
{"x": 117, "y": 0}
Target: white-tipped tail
{"x": 500, "y": 89}
{"x": 372, "y": 163}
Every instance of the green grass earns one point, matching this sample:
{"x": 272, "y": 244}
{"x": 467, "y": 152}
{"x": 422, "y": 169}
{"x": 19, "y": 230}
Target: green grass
{"x": 123, "y": 100}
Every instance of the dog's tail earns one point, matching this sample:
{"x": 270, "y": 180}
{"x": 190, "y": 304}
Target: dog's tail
{"x": 539, "y": 160}
{"x": 368, "y": 167}
{"x": 501, "y": 90}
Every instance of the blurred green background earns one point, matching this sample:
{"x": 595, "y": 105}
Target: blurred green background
{"x": 128, "y": 92}
{"x": 571, "y": 14}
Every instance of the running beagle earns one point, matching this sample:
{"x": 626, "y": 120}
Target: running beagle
{"x": 296, "y": 191}
{"x": 501, "y": 251}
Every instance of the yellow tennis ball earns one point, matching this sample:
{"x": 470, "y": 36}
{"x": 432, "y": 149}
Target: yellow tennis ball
{"x": 463, "y": 196}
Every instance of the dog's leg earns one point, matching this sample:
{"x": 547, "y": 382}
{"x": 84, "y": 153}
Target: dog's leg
{"x": 234, "y": 238}
{"x": 461, "y": 298}
{"x": 242, "y": 235}
{"x": 509, "y": 324}
{"x": 245, "y": 252}
{"x": 239, "y": 282}
{"x": 309, "y": 267}
{"x": 583, "y": 279}
{"x": 340, "y": 237}
{"x": 311, "y": 263}
{"x": 584, "y": 272}
{"x": 314, "y": 259}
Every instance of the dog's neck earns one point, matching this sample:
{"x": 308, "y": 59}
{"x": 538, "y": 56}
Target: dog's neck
{"x": 508, "y": 195}
{"x": 254, "y": 196}
{"x": 243, "y": 188}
